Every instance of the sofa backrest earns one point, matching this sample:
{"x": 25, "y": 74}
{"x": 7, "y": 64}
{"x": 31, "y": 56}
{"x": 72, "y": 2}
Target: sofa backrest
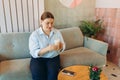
{"x": 73, "y": 37}
{"x": 15, "y": 45}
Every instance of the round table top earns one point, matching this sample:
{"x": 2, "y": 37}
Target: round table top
{"x": 80, "y": 73}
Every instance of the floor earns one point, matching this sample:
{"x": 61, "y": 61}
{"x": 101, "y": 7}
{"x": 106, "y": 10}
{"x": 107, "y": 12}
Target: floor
{"x": 112, "y": 71}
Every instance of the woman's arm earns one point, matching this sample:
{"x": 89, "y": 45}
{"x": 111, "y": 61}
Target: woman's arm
{"x": 47, "y": 49}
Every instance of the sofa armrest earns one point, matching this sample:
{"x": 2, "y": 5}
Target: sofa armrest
{"x": 96, "y": 45}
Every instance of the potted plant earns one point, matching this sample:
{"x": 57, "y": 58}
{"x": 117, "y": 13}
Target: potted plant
{"x": 94, "y": 72}
{"x": 91, "y": 28}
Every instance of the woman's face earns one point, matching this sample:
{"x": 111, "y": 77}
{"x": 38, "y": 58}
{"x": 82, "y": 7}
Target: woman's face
{"x": 47, "y": 24}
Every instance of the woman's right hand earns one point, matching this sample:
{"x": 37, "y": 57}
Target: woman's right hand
{"x": 47, "y": 49}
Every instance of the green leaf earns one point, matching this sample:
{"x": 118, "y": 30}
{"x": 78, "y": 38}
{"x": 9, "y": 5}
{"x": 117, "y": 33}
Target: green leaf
{"x": 91, "y": 28}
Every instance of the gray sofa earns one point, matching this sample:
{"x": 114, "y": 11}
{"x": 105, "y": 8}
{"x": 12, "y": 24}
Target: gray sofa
{"x": 15, "y": 57}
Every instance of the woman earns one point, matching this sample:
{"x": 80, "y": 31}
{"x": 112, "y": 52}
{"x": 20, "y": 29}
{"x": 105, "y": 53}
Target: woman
{"x": 45, "y": 45}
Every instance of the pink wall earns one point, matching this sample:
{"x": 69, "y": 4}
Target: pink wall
{"x": 111, "y": 17}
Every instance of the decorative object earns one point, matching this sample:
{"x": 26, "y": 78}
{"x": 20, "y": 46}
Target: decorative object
{"x": 94, "y": 73}
{"x": 70, "y": 3}
{"x": 91, "y": 28}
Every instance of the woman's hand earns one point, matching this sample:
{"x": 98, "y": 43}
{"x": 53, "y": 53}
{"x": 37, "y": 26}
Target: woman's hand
{"x": 47, "y": 49}
{"x": 55, "y": 46}
{"x": 52, "y": 47}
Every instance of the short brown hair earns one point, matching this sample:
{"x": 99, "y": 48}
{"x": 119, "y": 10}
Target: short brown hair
{"x": 47, "y": 15}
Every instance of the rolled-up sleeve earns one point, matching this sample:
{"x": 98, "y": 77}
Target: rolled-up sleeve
{"x": 34, "y": 46}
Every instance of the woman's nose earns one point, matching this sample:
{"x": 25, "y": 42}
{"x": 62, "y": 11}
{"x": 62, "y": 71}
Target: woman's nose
{"x": 50, "y": 25}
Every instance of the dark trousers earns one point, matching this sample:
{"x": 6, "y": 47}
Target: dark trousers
{"x": 45, "y": 68}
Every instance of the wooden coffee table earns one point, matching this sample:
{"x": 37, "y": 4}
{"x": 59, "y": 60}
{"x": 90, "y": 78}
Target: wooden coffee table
{"x": 81, "y": 73}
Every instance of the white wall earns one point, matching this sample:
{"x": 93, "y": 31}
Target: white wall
{"x": 107, "y": 3}
{"x": 20, "y": 15}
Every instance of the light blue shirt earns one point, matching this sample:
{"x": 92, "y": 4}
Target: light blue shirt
{"x": 38, "y": 40}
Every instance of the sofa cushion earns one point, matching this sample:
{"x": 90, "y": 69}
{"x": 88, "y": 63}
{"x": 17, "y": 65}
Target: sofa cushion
{"x": 14, "y": 45}
{"x": 82, "y": 56}
{"x": 73, "y": 37}
{"x": 15, "y": 69}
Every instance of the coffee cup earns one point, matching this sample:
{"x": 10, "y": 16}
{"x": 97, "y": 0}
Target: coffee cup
{"x": 58, "y": 43}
